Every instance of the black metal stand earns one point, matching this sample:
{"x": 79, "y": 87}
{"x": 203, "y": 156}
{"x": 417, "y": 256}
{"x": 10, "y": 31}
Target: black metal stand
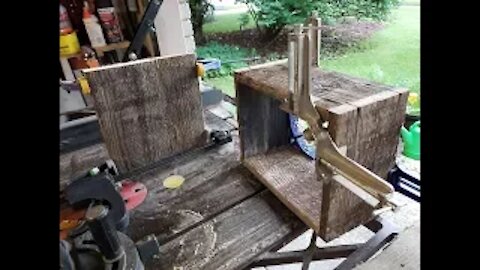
{"x": 404, "y": 183}
{"x": 354, "y": 254}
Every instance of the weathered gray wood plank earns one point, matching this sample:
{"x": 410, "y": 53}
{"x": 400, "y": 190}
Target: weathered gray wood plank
{"x": 233, "y": 239}
{"x": 148, "y": 109}
{"x": 214, "y": 181}
{"x": 76, "y": 163}
{"x": 262, "y": 125}
{"x": 290, "y": 175}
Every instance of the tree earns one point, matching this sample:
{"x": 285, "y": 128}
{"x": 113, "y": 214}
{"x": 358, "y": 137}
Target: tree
{"x": 271, "y": 16}
{"x": 199, "y": 10}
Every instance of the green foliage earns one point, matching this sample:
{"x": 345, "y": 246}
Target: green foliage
{"x": 209, "y": 15}
{"x": 392, "y": 56}
{"x": 272, "y": 16}
{"x": 373, "y": 9}
{"x": 244, "y": 20}
{"x": 200, "y": 10}
{"x": 226, "y": 23}
{"x": 230, "y": 56}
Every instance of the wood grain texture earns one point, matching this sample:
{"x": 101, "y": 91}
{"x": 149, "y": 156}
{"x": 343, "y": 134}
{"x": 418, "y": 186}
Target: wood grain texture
{"x": 364, "y": 116}
{"x": 402, "y": 254}
{"x": 148, "y": 109}
{"x": 378, "y": 121}
{"x": 262, "y": 125}
{"x": 290, "y": 175}
{"x": 220, "y": 218}
{"x": 331, "y": 88}
{"x": 233, "y": 239}
{"x": 214, "y": 181}
{"x": 76, "y": 163}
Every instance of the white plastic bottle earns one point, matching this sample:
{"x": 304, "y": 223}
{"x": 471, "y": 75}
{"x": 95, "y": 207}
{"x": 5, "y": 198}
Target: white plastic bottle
{"x": 94, "y": 30}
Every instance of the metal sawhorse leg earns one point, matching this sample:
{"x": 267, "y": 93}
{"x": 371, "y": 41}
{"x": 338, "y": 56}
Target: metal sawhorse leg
{"x": 355, "y": 254}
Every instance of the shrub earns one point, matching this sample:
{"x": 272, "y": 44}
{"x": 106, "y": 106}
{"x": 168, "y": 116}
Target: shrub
{"x": 272, "y": 16}
{"x": 230, "y": 56}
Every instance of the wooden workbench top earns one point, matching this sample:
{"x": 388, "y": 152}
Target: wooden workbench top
{"x": 220, "y": 218}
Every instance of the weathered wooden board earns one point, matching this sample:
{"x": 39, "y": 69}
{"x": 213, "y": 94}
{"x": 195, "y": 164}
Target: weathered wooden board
{"x": 219, "y": 195}
{"x": 262, "y": 125}
{"x": 364, "y": 116}
{"x": 402, "y": 254}
{"x": 233, "y": 239}
{"x": 291, "y": 177}
{"x": 148, "y": 109}
{"x": 214, "y": 181}
{"x": 76, "y": 163}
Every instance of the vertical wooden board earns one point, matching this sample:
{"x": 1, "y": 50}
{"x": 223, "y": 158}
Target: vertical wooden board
{"x": 262, "y": 125}
{"x": 341, "y": 124}
{"x": 148, "y": 109}
{"x": 346, "y": 210}
{"x": 387, "y": 141}
{"x": 379, "y": 118}
{"x": 364, "y": 148}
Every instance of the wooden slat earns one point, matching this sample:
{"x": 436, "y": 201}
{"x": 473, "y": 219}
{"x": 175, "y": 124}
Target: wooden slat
{"x": 262, "y": 125}
{"x": 332, "y": 88}
{"x": 290, "y": 175}
{"x": 148, "y": 109}
{"x": 167, "y": 212}
{"x": 233, "y": 239}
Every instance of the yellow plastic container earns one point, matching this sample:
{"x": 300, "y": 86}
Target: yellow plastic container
{"x": 69, "y": 44}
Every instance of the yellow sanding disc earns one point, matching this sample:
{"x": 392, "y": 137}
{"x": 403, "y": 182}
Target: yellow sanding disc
{"x": 173, "y": 181}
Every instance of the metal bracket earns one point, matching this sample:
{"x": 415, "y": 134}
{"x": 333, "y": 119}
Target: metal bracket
{"x": 300, "y": 104}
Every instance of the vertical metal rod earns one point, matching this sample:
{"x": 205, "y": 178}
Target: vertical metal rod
{"x": 298, "y": 75}
{"x": 291, "y": 63}
{"x": 308, "y": 255}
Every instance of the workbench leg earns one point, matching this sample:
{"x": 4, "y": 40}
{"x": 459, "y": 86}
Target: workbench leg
{"x": 355, "y": 254}
{"x": 385, "y": 232}
{"x": 309, "y": 252}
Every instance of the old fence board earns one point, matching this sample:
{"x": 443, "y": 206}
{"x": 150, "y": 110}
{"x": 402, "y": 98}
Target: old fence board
{"x": 148, "y": 109}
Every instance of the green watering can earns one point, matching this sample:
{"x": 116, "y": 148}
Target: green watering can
{"x": 411, "y": 140}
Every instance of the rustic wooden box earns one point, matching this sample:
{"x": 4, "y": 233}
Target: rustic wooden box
{"x": 364, "y": 117}
{"x": 364, "y": 120}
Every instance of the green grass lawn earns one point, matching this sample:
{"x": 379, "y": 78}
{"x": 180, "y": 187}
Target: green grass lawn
{"x": 226, "y": 23}
{"x": 392, "y": 55}
{"x": 411, "y": 2}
